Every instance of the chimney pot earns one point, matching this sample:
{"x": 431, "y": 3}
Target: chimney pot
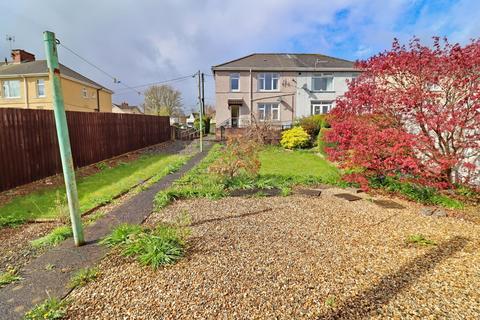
{"x": 19, "y": 56}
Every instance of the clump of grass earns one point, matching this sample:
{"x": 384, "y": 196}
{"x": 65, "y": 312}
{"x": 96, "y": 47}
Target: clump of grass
{"x": 151, "y": 247}
{"x": 330, "y": 302}
{"x": 49, "y": 266}
{"x": 121, "y": 235}
{"x": 9, "y": 276}
{"x": 50, "y": 309}
{"x": 56, "y": 236}
{"x": 84, "y": 276}
{"x": 102, "y": 166}
{"x": 419, "y": 239}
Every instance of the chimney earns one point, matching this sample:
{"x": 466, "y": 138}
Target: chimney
{"x": 19, "y": 56}
{"x": 124, "y": 105}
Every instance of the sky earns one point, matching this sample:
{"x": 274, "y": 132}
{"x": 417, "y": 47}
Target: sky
{"x": 146, "y": 41}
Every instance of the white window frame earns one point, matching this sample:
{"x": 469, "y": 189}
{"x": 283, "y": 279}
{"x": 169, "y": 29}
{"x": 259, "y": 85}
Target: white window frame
{"x": 6, "y": 89}
{"x": 237, "y": 77}
{"x": 267, "y": 110}
{"x": 41, "y": 83}
{"x": 323, "y": 76}
{"x": 84, "y": 93}
{"x": 320, "y": 105}
{"x": 261, "y": 80}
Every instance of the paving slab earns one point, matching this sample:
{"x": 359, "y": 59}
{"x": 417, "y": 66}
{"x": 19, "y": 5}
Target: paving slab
{"x": 308, "y": 192}
{"x": 252, "y": 192}
{"x": 39, "y": 283}
{"x": 347, "y": 196}
{"x": 388, "y": 204}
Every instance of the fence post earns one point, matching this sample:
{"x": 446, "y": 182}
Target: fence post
{"x": 63, "y": 137}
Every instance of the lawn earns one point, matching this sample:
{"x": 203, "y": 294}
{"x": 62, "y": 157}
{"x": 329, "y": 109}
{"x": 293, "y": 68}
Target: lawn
{"x": 301, "y": 165}
{"x": 93, "y": 190}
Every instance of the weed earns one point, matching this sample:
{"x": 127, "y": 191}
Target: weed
{"x": 121, "y": 235}
{"x": 49, "y": 267}
{"x": 50, "y": 309}
{"x": 420, "y": 240}
{"x": 56, "y": 236}
{"x": 9, "y": 276}
{"x": 61, "y": 208}
{"x": 330, "y": 302}
{"x": 157, "y": 247}
{"x": 84, "y": 276}
{"x": 102, "y": 166}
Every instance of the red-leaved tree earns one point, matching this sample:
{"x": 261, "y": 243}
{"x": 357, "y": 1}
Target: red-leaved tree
{"x": 413, "y": 113}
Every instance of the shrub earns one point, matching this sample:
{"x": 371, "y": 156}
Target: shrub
{"x": 295, "y": 138}
{"x": 313, "y": 124}
{"x": 50, "y": 309}
{"x": 239, "y": 156}
{"x": 84, "y": 276}
{"x": 9, "y": 276}
{"x": 206, "y": 124}
{"x": 56, "y": 236}
{"x": 321, "y": 143}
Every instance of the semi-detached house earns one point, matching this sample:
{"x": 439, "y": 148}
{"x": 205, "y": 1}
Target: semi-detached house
{"x": 278, "y": 87}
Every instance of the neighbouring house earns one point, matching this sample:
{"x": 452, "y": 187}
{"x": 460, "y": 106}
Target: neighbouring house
{"x": 124, "y": 107}
{"x": 278, "y": 87}
{"x": 191, "y": 118}
{"x": 25, "y": 84}
{"x": 180, "y": 120}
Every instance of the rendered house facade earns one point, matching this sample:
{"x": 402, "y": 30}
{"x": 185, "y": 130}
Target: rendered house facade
{"x": 278, "y": 87}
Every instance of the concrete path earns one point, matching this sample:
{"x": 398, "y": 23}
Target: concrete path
{"x": 39, "y": 283}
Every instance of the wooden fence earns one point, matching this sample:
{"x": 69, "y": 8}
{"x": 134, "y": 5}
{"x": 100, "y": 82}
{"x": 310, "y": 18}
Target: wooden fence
{"x": 29, "y": 145}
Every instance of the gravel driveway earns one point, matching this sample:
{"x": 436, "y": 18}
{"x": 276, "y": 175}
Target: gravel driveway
{"x": 297, "y": 257}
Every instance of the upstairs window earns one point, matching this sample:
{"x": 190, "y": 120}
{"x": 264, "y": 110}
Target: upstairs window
{"x": 11, "y": 89}
{"x": 322, "y": 82}
{"x": 235, "y": 82}
{"x": 40, "y": 88}
{"x": 268, "y": 81}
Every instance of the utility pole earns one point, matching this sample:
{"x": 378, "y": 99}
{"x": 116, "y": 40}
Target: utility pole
{"x": 63, "y": 137}
{"x": 200, "y": 98}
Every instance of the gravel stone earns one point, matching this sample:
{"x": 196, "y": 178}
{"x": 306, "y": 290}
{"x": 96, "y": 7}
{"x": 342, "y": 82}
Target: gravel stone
{"x": 296, "y": 257}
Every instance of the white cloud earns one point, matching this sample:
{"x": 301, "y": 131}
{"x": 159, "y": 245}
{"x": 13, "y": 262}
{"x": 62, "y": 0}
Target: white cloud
{"x": 146, "y": 41}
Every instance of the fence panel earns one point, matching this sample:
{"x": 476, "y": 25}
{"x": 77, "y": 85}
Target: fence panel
{"x": 29, "y": 145}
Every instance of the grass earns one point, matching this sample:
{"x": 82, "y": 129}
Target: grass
{"x": 279, "y": 169}
{"x": 53, "y": 238}
{"x": 50, "y": 309}
{"x": 93, "y": 190}
{"x": 84, "y": 276}
{"x": 419, "y": 239}
{"x": 151, "y": 247}
{"x": 9, "y": 276}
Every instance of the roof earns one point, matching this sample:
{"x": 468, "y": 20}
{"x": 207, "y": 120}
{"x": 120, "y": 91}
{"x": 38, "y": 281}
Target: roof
{"x": 287, "y": 62}
{"x": 40, "y": 67}
{"x": 127, "y": 107}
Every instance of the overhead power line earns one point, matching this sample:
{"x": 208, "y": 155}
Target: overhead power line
{"x": 115, "y": 79}
{"x": 162, "y": 82}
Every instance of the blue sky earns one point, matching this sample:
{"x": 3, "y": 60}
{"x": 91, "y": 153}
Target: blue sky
{"x": 147, "y": 41}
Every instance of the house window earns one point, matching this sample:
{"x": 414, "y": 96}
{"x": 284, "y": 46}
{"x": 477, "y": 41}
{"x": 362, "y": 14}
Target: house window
{"x": 322, "y": 107}
{"x": 40, "y": 88}
{"x": 268, "y": 111}
{"x": 85, "y": 93}
{"x": 322, "y": 82}
{"x": 268, "y": 81}
{"x": 235, "y": 82}
{"x": 11, "y": 89}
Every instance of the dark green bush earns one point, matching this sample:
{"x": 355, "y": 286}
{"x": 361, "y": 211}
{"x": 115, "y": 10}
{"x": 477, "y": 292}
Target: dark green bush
{"x": 313, "y": 124}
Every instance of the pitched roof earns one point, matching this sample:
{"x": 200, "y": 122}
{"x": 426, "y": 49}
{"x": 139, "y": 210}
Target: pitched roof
{"x": 287, "y": 62}
{"x": 40, "y": 67}
{"x": 127, "y": 107}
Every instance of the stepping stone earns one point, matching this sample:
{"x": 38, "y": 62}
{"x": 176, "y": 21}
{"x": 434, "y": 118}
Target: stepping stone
{"x": 347, "y": 196}
{"x": 308, "y": 192}
{"x": 252, "y": 192}
{"x": 433, "y": 212}
{"x": 388, "y": 204}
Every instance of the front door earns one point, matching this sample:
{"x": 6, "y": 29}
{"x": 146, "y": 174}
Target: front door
{"x": 235, "y": 112}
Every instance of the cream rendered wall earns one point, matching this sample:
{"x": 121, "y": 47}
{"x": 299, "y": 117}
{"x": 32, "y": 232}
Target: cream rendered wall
{"x": 305, "y": 97}
{"x": 287, "y": 87}
{"x": 72, "y": 95}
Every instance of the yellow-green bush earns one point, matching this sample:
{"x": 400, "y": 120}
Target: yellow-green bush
{"x": 295, "y": 138}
